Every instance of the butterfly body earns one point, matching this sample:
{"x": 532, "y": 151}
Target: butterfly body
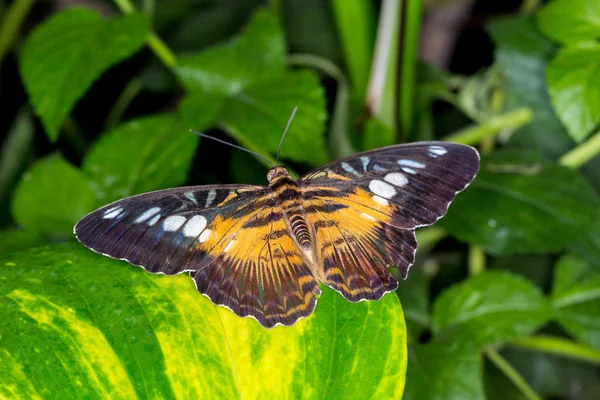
{"x": 262, "y": 250}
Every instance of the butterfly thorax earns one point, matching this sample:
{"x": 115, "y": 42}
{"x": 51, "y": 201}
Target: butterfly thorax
{"x": 289, "y": 197}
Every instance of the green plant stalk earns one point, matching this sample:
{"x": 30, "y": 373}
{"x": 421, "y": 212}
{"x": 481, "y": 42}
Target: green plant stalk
{"x": 74, "y": 136}
{"x": 560, "y": 347}
{"x": 133, "y": 88}
{"x": 339, "y": 142}
{"x": 155, "y": 43}
{"x": 530, "y": 6}
{"x": 493, "y": 126}
{"x": 512, "y": 374}
{"x": 149, "y": 6}
{"x": 354, "y": 21}
{"x": 9, "y": 28}
{"x": 381, "y": 99}
{"x": 583, "y": 153}
{"x": 411, "y": 27}
{"x": 476, "y": 260}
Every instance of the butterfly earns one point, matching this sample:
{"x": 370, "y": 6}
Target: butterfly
{"x": 261, "y": 251}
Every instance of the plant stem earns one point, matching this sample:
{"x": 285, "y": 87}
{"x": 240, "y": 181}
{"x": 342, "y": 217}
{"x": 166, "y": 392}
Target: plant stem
{"x": 10, "y": 24}
{"x": 493, "y": 126}
{"x": 74, "y": 136}
{"x": 560, "y": 347}
{"x": 354, "y": 21}
{"x": 154, "y": 42}
{"x": 407, "y": 64}
{"x": 476, "y": 260}
{"x": 583, "y": 153}
{"x": 339, "y": 141}
{"x": 132, "y": 89}
{"x": 530, "y": 6}
{"x": 512, "y": 374}
{"x": 381, "y": 103}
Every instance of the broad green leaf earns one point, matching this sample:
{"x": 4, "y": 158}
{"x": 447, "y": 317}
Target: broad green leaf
{"x": 491, "y": 307}
{"x": 519, "y": 204}
{"x": 377, "y": 134}
{"x": 242, "y": 86}
{"x": 576, "y": 299}
{"x": 588, "y": 247}
{"x": 522, "y": 54}
{"x": 142, "y": 155}
{"x": 568, "y": 21}
{"x": 51, "y": 197}
{"x": 257, "y": 54}
{"x": 12, "y": 240}
{"x": 79, "y": 325}
{"x": 444, "y": 369}
{"x": 574, "y": 82}
{"x": 68, "y": 52}
{"x": 258, "y": 117}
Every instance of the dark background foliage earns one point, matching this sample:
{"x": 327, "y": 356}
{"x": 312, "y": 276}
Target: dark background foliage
{"x": 97, "y": 98}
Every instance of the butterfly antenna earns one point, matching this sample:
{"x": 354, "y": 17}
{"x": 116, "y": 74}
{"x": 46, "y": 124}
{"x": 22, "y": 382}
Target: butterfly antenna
{"x": 285, "y": 131}
{"x": 232, "y": 145}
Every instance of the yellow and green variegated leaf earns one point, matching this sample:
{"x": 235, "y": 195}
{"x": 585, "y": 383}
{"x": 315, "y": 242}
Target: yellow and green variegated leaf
{"x": 79, "y": 325}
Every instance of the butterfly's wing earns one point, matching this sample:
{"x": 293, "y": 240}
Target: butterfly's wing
{"x": 231, "y": 238}
{"x": 364, "y": 210}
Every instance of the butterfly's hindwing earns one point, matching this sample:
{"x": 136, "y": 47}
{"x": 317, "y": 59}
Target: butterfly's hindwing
{"x": 364, "y": 210}
{"x": 355, "y": 251}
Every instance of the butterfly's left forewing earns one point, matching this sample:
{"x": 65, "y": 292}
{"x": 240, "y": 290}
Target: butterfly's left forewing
{"x": 231, "y": 238}
{"x": 364, "y": 210}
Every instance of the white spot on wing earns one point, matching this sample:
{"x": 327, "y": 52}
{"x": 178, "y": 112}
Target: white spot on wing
{"x": 348, "y": 168}
{"x": 190, "y": 195}
{"x": 147, "y": 214}
{"x": 411, "y": 163}
{"x": 365, "y": 162}
{"x": 380, "y": 188}
{"x": 194, "y": 226}
{"x": 173, "y": 223}
{"x": 154, "y": 220}
{"x": 409, "y": 170}
{"x": 437, "y": 150}
{"x": 205, "y": 235}
{"x": 212, "y": 194}
{"x": 112, "y": 212}
{"x": 367, "y": 216}
{"x": 229, "y": 245}
{"x": 378, "y": 167}
{"x": 381, "y": 200}
{"x": 396, "y": 179}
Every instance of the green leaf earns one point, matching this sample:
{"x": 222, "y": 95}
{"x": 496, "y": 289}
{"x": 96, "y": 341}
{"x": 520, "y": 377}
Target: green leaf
{"x": 51, "y": 197}
{"x": 576, "y": 298}
{"x": 12, "y": 240}
{"x": 257, "y": 54}
{"x": 68, "y": 52}
{"x": 139, "y": 156}
{"x": 574, "y": 83}
{"x": 518, "y": 204}
{"x": 79, "y": 325}
{"x": 259, "y": 116}
{"x": 568, "y": 21}
{"x": 491, "y": 307}
{"x": 444, "y": 369}
{"x": 242, "y": 86}
{"x": 522, "y": 54}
